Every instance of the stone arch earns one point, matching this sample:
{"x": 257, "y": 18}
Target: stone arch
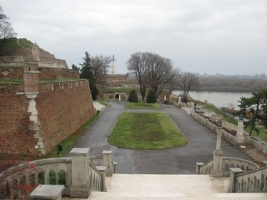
{"x": 41, "y": 178}
{"x": 32, "y": 179}
{"x": 61, "y": 177}
{"x": 226, "y": 167}
{"x": 52, "y": 177}
{"x": 248, "y": 187}
{"x": 255, "y": 184}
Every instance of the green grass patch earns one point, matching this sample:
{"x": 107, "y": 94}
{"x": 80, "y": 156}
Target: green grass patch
{"x": 142, "y": 105}
{"x": 146, "y": 131}
{"x": 59, "y": 79}
{"x": 7, "y": 80}
{"x": 68, "y": 142}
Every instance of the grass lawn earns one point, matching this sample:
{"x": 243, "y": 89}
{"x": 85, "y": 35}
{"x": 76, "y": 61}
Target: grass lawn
{"x": 143, "y": 105}
{"x": 146, "y": 131}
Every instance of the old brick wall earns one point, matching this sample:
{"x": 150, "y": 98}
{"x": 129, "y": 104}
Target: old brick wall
{"x": 62, "y": 109}
{"x": 14, "y": 121}
{"x": 45, "y": 73}
{"x": 11, "y": 72}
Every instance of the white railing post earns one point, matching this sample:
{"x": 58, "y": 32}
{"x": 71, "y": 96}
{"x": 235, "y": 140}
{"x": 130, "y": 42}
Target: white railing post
{"x": 107, "y": 162}
{"x": 239, "y": 137}
{"x": 102, "y": 170}
{"x": 80, "y": 185}
{"x": 198, "y": 165}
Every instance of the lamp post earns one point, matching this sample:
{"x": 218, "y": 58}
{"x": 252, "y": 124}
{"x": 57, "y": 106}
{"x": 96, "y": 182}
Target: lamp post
{"x": 217, "y": 170}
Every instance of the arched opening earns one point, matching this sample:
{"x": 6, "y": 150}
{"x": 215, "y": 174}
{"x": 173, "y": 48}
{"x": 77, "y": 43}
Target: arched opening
{"x": 61, "y": 177}
{"x": 117, "y": 96}
{"x": 52, "y": 177}
{"x": 41, "y": 178}
{"x": 32, "y": 179}
{"x": 248, "y": 188}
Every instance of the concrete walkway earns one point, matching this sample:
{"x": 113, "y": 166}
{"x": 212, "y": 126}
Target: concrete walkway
{"x": 182, "y": 160}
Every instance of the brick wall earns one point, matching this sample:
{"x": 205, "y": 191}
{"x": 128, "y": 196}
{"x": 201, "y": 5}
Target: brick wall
{"x": 12, "y": 72}
{"x": 45, "y": 73}
{"x": 14, "y": 121}
{"x": 62, "y": 109}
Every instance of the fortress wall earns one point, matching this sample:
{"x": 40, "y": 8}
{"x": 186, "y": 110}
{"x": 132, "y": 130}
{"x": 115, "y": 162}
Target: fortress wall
{"x": 11, "y": 72}
{"x": 46, "y": 73}
{"x": 14, "y": 121}
{"x": 62, "y": 109}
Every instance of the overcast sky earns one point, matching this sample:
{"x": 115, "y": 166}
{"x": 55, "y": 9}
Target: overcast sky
{"x": 201, "y": 36}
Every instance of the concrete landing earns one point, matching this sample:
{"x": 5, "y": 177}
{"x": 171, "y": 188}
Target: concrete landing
{"x": 185, "y": 187}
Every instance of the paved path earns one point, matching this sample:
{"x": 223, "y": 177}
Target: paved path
{"x": 182, "y": 160}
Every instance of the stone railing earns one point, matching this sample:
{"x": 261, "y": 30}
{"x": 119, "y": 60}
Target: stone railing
{"x": 76, "y": 173}
{"x": 250, "y": 181}
{"x": 256, "y": 143}
{"x": 227, "y": 163}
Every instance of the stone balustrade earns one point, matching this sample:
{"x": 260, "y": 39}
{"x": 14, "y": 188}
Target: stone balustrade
{"x": 56, "y": 171}
{"x": 256, "y": 143}
{"x": 227, "y": 163}
{"x": 249, "y": 181}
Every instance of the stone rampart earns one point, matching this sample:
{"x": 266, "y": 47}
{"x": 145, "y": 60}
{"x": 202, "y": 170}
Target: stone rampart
{"x": 44, "y": 72}
{"x": 15, "y": 121}
{"x": 62, "y": 108}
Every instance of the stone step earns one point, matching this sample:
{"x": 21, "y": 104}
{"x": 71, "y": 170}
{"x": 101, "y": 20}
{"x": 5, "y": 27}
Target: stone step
{"x": 184, "y": 187}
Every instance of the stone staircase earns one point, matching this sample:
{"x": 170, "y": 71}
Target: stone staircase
{"x": 184, "y": 187}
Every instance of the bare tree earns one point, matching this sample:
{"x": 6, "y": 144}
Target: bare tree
{"x": 187, "y": 82}
{"x": 6, "y": 30}
{"x": 151, "y": 71}
{"x": 101, "y": 64}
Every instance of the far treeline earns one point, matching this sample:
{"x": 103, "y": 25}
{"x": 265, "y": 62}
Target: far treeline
{"x": 231, "y": 84}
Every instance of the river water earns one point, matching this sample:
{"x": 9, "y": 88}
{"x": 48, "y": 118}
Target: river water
{"x": 219, "y": 99}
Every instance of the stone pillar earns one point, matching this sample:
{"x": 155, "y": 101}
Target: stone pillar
{"x": 102, "y": 170}
{"x": 119, "y": 97}
{"x": 240, "y": 138}
{"x": 80, "y": 186}
{"x": 233, "y": 173}
{"x": 217, "y": 169}
{"x": 114, "y": 165}
{"x": 107, "y": 162}
{"x": 179, "y": 100}
{"x": 198, "y": 165}
{"x": 164, "y": 97}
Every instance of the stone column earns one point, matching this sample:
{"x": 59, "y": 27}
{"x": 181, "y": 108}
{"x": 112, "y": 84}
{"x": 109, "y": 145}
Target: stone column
{"x": 179, "y": 100}
{"x": 107, "y": 162}
{"x": 233, "y": 173}
{"x": 217, "y": 169}
{"x": 80, "y": 186}
{"x": 240, "y": 138}
{"x": 102, "y": 170}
